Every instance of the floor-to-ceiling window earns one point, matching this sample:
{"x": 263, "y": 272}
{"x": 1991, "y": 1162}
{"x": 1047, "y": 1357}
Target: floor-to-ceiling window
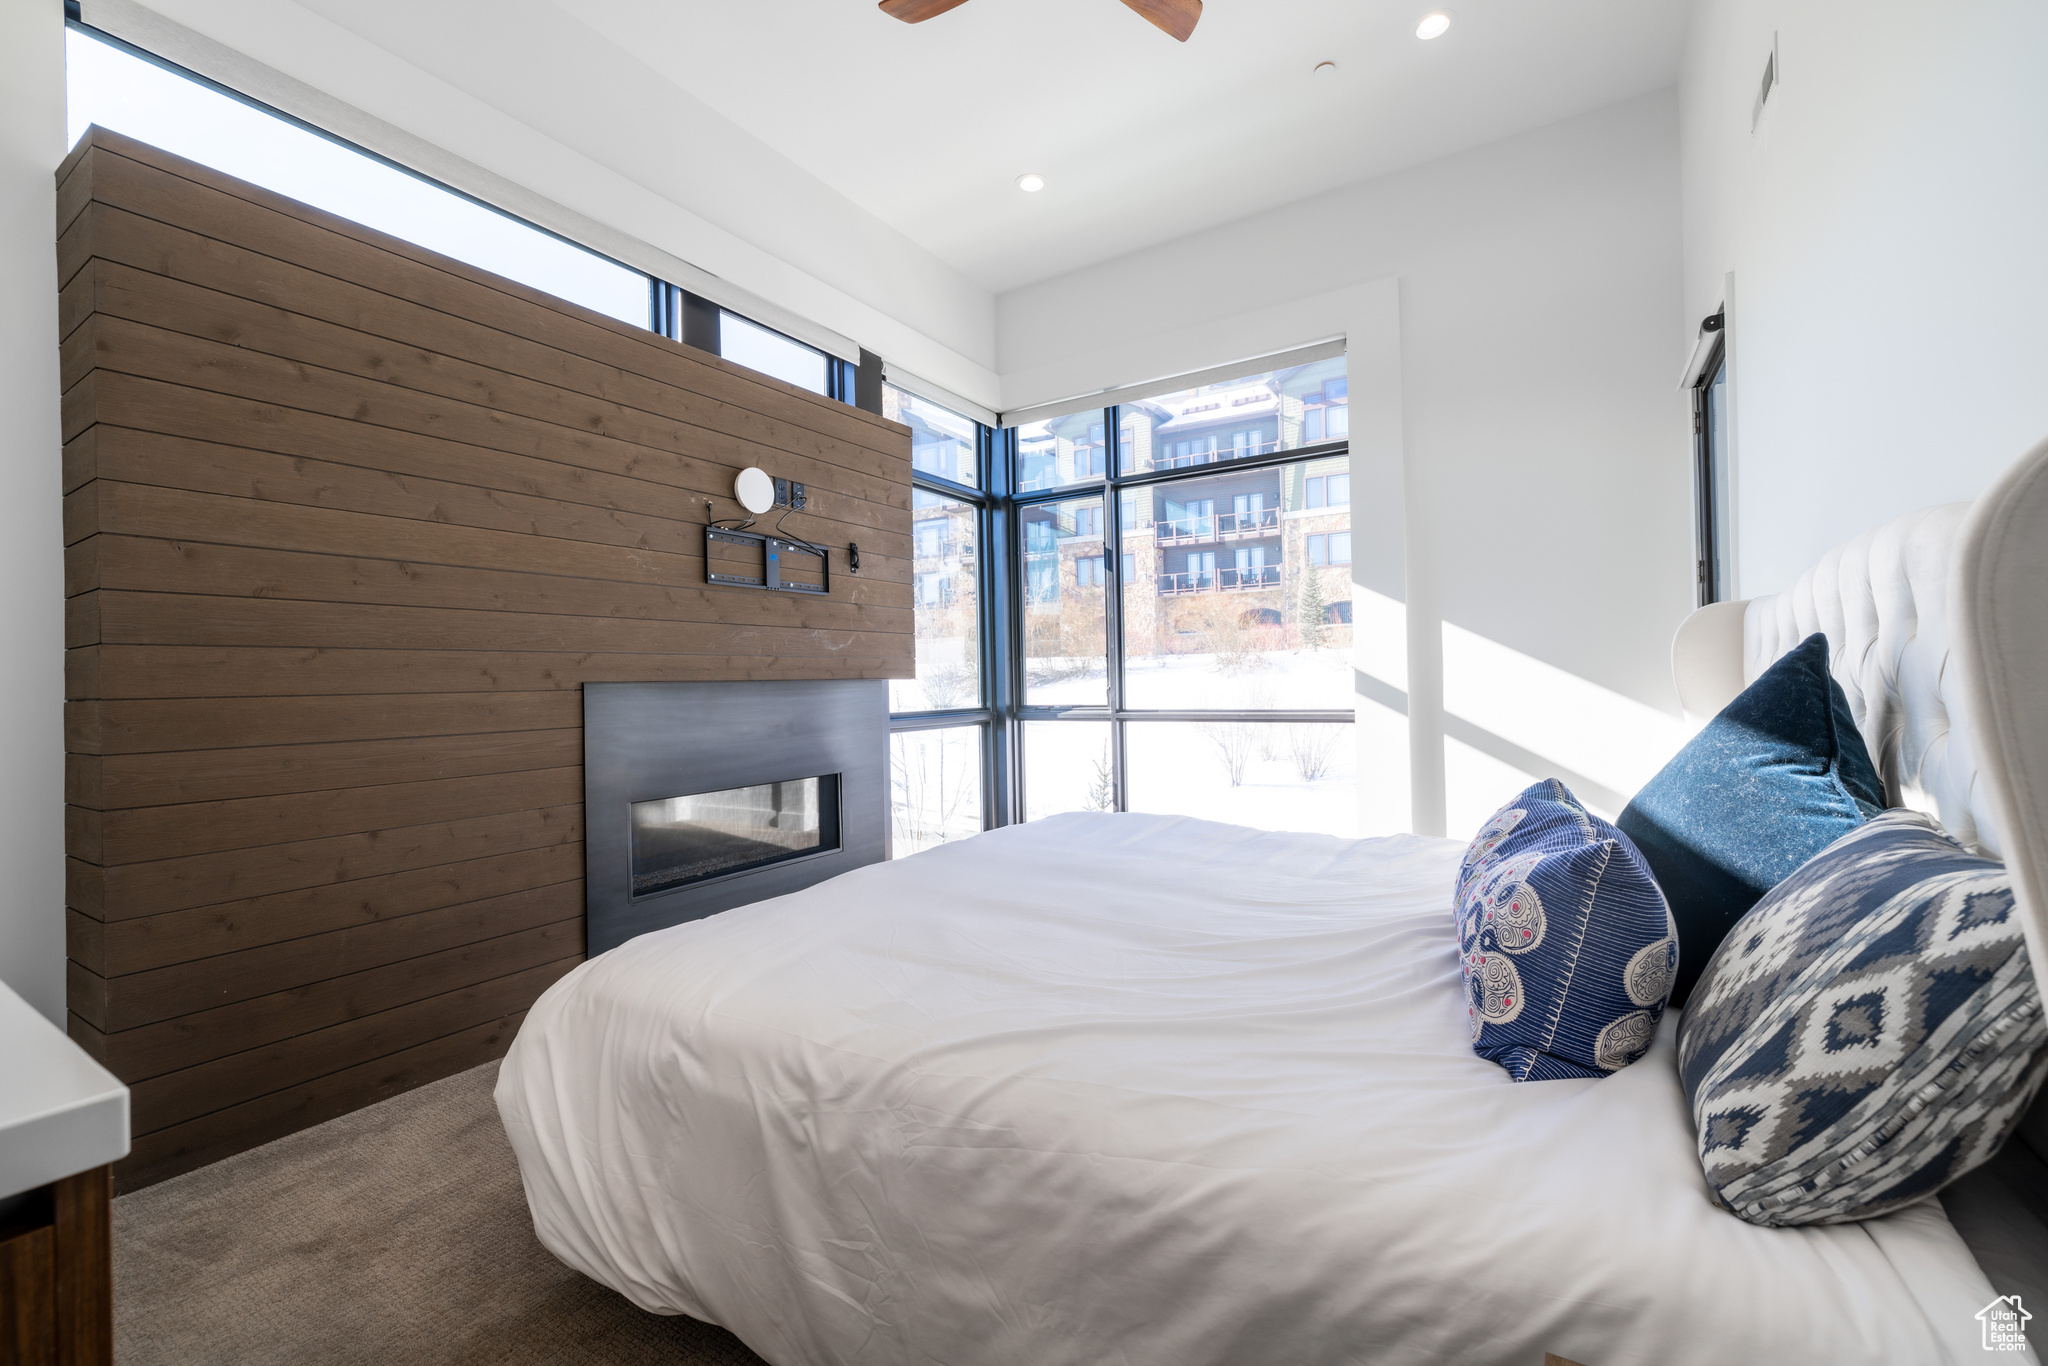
{"x": 1183, "y": 588}
{"x": 945, "y": 720}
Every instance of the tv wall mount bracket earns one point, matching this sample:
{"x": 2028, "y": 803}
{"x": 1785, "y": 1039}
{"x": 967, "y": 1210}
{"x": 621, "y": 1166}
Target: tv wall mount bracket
{"x": 774, "y": 551}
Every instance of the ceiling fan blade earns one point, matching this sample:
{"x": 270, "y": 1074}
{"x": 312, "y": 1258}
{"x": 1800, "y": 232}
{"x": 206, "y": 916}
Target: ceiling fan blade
{"x": 917, "y": 11}
{"x": 1177, "y": 17}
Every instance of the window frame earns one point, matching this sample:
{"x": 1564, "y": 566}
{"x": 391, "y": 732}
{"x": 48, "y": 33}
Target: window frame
{"x": 1710, "y": 584}
{"x": 1113, "y": 485}
{"x": 693, "y": 320}
{"x": 992, "y": 554}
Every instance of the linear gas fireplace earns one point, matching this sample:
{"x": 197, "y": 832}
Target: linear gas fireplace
{"x": 699, "y": 797}
{"x": 678, "y": 841}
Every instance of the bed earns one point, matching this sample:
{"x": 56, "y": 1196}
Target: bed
{"x": 1136, "y": 1089}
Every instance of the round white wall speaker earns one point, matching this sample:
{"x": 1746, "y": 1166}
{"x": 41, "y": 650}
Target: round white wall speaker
{"x": 754, "y": 489}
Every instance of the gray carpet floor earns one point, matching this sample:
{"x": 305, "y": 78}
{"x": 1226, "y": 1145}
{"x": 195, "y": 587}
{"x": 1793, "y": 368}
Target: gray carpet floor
{"x": 394, "y": 1235}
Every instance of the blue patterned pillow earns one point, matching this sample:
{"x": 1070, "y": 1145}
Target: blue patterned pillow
{"x": 1567, "y": 945}
{"x": 1867, "y": 1034}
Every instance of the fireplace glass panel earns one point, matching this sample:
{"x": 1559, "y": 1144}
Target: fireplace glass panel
{"x": 681, "y": 840}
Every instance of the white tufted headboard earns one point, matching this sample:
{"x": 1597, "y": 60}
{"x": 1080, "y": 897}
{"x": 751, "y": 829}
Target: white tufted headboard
{"x": 1883, "y": 600}
{"x": 1937, "y": 627}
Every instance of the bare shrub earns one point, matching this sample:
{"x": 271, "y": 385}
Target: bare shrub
{"x": 1067, "y": 643}
{"x": 1237, "y": 640}
{"x": 937, "y": 783}
{"x": 948, "y": 685}
{"x": 1234, "y": 743}
{"x": 1311, "y": 748}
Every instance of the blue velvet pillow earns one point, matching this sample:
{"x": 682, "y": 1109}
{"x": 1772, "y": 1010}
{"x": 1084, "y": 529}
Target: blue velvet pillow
{"x": 1777, "y": 777}
{"x": 1567, "y": 947}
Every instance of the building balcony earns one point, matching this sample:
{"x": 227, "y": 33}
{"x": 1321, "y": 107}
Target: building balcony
{"x": 1219, "y": 580}
{"x": 1224, "y": 526}
{"x": 1221, "y": 455}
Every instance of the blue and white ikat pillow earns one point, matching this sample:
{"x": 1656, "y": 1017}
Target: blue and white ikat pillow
{"x": 1568, "y": 948}
{"x": 1868, "y": 1033}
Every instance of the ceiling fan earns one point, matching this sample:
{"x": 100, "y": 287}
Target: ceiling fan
{"x": 1177, "y": 17}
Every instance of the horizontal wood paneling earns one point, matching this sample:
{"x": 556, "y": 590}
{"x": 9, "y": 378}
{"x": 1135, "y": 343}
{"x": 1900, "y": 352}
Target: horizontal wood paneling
{"x": 105, "y": 506}
{"x": 348, "y": 526}
{"x": 125, "y": 671}
{"x": 164, "y": 1153}
{"x": 94, "y": 726}
{"x": 207, "y": 775}
{"x": 187, "y": 988}
{"x": 136, "y": 836}
{"x": 145, "y": 325}
{"x": 188, "y": 1040}
{"x": 159, "y": 1102}
{"x": 105, "y": 617}
{"x": 114, "y": 948}
{"x": 148, "y": 564}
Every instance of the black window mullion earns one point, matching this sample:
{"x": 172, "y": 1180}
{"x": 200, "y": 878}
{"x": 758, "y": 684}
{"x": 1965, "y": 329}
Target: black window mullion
{"x": 939, "y": 720}
{"x": 697, "y": 323}
{"x": 1277, "y": 715}
{"x": 938, "y": 483}
{"x": 997, "y": 768}
{"x": 1113, "y": 601}
{"x": 1251, "y": 462}
{"x": 842, "y": 380}
{"x": 995, "y": 750}
{"x": 1005, "y": 630}
{"x": 1305, "y": 716}
{"x": 867, "y": 383}
{"x": 660, "y": 309}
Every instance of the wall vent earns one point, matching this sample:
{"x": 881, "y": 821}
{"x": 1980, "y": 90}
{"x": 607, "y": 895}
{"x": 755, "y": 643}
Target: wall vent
{"x": 1770, "y": 83}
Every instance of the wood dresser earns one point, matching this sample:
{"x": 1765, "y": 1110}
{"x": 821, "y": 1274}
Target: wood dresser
{"x": 63, "y": 1122}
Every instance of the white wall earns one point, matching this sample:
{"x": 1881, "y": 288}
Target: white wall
{"x": 31, "y": 551}
{"x": 1886, "y": 228}
{"x": 1544, "y": 448}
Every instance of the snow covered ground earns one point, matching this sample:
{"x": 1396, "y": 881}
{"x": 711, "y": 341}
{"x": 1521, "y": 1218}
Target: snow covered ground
{"x": 1290, "y": 680}
{"x": 1187, "y": 768}
{"x": 935, "y": 786}
{"x": 1272, "y": 775}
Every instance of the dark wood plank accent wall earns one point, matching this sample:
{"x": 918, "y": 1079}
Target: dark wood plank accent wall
{"x": 348, "y": 525}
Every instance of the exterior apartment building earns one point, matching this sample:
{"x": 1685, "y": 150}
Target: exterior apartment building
{"x": 1219, "y": 552}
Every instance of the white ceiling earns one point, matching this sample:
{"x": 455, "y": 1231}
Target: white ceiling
{"x": 1140, "y": 138}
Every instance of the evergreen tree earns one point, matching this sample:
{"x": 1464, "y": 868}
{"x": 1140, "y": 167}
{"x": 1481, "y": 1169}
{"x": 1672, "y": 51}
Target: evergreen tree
{"x": 1102, "y": 791}
{"x": 1313, "y": 607}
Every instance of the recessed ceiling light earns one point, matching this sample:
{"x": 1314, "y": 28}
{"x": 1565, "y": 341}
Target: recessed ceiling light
{"x": 1031, "y": 182}
{"x": 1433, "y": 26}
{"x": 1326, "y": 68}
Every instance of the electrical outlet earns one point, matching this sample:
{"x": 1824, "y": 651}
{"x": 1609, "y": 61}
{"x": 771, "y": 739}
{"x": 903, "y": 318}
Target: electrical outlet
{"x": 796, "y": 496}
{"x": 782, "y": 493}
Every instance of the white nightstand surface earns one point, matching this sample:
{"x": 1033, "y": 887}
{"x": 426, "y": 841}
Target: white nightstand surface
{"x": 60, "y": 1112}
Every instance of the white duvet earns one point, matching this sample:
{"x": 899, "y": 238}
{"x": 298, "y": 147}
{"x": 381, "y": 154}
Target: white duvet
{"x": 1142, "y": 1089}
